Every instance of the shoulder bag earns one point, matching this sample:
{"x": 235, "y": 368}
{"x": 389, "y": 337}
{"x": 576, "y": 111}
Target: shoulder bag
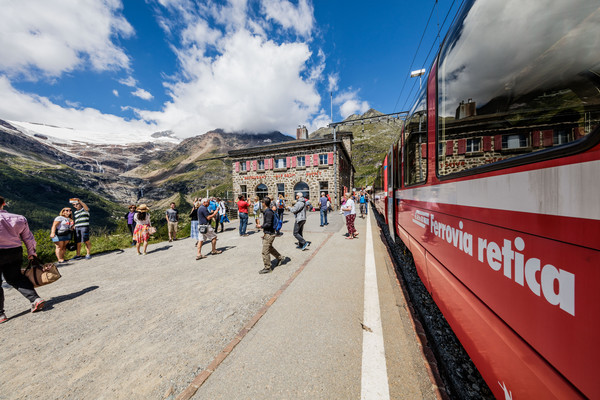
{"x": 39, "y": 274}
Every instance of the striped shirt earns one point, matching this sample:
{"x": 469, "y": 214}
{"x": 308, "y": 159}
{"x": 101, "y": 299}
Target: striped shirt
{"x": 82, "y": 218}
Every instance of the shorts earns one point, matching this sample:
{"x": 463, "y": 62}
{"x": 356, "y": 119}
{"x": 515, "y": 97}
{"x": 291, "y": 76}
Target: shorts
{"x": 82, "y": 234}
{"x": 61, "y": 238}
{"x": 209, "y": 235}
{"x": 172, "y": 226}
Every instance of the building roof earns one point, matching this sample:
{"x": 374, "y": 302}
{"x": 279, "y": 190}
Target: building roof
{"x": 291, "y": 146}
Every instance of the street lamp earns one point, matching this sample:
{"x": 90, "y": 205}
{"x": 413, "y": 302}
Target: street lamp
{"x": 419, "y": 73}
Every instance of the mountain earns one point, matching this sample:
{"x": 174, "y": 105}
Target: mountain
{"x": 39, "y": 172}
{"x": 371, "y": 143}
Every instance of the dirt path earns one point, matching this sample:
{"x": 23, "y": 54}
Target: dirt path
{"x": 123, "y": 326}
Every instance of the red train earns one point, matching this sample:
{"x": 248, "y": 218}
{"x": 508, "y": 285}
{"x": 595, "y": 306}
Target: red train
{"x": 494, "y": 187}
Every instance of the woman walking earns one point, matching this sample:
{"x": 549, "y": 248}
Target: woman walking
{"x": 194, "y": 223}
{"x": 130, "y": 221}
{"x": 61, "y": 232}
{"x": 349, "y": 210}
{"x": 142, "y": 228}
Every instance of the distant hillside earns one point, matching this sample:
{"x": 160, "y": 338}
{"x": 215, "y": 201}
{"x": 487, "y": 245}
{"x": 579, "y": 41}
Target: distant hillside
{"x": 371, "y": 142}
{"x": 39, "y": 173}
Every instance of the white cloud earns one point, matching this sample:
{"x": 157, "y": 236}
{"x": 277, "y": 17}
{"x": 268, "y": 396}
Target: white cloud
{"x": 332, "y": 82}
{"x": 129, "y": 81}
{"x": 254, "y": 85}
{"x": 19, "y": 106}
{"x": 44, "y": 38}
{"x": 115, "y": 92}
{"x": 143, "y": 94}
{"x": 298, "y": 18}
{"x": 349, "y": 103}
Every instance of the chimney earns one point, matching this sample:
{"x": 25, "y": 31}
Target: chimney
{"x": 301, "y": 132}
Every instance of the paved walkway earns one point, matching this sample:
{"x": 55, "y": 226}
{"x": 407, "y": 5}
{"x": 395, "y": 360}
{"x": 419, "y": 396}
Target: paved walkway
{"x": 166, "y": 326}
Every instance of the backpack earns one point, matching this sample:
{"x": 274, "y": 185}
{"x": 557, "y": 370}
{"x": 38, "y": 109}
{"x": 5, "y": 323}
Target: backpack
{"x": 277, "y": 223}
{"x": 256, "y": 206}
{"x": 281, "y": 203}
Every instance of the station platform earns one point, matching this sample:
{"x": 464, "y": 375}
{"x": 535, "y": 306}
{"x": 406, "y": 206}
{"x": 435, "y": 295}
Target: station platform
{"x": 330, "y": 324}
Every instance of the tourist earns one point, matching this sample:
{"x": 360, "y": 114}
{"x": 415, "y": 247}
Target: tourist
{"x": 323, "y": 209}
{"x": 299, "y": 210}
{"x": 172, "y": 216}
{"x": 257, "y": 208}
{"x": 205, "y": 230}
{"x": 268, "y": 238}
{"x": 243, "y": 206}
{"x": 14, "y": 230}
{"x": 349, "y": 210}
{"x": 61, "y": 232}
{"x": 142, "y": 228}
{"x": 130, "y": 222}
{"x": 82, "y": 227}
{"x": 222, "y": 215}
{"x": 363, "y": 204}
{"x": 194, "y": 222}
{"x": 213, "y": 205}
{"x": 280, "y": 211}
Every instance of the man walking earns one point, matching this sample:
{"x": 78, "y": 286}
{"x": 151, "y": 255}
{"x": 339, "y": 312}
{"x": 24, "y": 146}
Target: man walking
{"x": 243, "y": 214}
{"x": 13, "y": 230}
{"x": 205, "y": 230}
{"x": 172, "y": 216}
{"x": 299, "y": 210}
{"x": 323, "y": 208}
{"x": 268, "y": 238}
{"x": 82, "y": 227}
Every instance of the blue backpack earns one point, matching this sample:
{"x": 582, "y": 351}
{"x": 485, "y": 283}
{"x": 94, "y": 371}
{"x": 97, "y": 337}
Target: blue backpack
{"x": 277, "y": 223}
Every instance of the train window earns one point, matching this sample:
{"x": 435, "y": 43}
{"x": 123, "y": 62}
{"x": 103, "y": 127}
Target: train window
{"x": 415, "y": 142}
{"x": 501, "y": 97}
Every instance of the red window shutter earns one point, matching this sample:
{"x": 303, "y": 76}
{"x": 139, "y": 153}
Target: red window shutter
{"x": 307, "y": 160}
{"x": 535, "y": 139}
{"x": 294, "y": 162}
{"x": 247, "y": 165}
{"x": 487, "y": 143}
{"x": 315, "y": 159}
{"x": 449, "y": 147}
{"x": 267, "y": 164}
{"x": 423, "y": 150}
{"x": 288, "y": 162}
{"x": 547, "y": 137}
{"x": 462, "y": 146}
{"x": 237, "y": 166}
{"x": 271, "y": 163}
{"x": 330, "y": 158}
{"x": 497, "y": 142}
{"x": 254, "y": 162}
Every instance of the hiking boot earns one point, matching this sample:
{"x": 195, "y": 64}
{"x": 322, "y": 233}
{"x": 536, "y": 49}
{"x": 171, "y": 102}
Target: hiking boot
{"x": 37, "y": 305}
{"x": 264, "y": 270}
{"x": 3, "y": 318}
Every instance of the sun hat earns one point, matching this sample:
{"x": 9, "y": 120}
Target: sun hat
{"x": 142, "y": 208}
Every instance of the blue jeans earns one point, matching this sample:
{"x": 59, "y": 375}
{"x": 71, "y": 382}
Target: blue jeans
{"x": 324, "y": 217}
{"x": 243, "y": 223}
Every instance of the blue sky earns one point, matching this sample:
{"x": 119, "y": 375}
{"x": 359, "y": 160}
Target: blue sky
{"x": 192, "y": 66}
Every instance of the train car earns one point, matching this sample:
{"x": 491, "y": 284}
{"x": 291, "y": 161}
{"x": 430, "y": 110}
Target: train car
{"x": 380, "y": 189}
{"x": 496, "y": 192}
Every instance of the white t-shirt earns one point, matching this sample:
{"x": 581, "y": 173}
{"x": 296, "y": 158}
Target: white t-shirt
{"x": 64, "y": 224}
{"x": 349, "y": 204}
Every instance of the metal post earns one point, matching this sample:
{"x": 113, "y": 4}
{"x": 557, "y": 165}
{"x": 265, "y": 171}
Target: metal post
{"x": 335, "y": 171}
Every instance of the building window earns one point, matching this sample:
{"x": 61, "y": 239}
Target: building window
{"x": 301, "y": 161}
{"x": 303, "y": 188}
{"x": 281, "y": 189}
{"x": 262, "y": 191}
{"x": 242, "y": 165}
{"x": 280, "y": 163}
{"x": 515, "y": 141}
{"x": 323, "y": 187}
{"x": 473, "y": 145}
{"x": 323, "y": 159}
{"x": 559, "y": 137}
{"x": 244, "y": 191}
{"x": 261, "y": 164}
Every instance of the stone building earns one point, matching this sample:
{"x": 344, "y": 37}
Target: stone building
{"x": 304, "y": 165}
